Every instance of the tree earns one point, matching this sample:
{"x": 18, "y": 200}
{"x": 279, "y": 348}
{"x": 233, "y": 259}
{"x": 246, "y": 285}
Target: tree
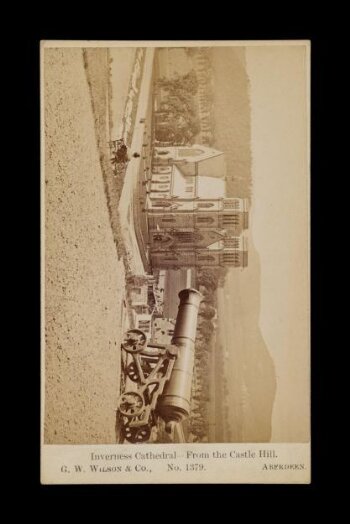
{"x": 208, "y": 278}
{"x": 180, "y": 112}
{"x": 208, "y": 312}
{"x": 207, "y": 329}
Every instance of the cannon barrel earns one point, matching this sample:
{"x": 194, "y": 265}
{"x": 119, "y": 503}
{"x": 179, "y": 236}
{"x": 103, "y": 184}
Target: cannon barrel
{"x": 174, "y": 404}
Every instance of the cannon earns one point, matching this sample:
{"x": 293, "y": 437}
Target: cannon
{"x": 161, "y": 375}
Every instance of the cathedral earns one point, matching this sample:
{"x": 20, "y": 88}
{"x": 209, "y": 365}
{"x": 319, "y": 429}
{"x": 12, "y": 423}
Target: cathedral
{"x": 191, "y": 222}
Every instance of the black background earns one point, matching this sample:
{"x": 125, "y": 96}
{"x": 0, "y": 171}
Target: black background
{"x": 170, "y": 22}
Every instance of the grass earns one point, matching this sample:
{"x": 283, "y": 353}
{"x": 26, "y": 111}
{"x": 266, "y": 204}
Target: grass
{"x": 96, "y": 64}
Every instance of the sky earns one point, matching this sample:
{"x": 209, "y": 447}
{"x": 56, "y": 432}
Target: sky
{"x": 279, "y": 221}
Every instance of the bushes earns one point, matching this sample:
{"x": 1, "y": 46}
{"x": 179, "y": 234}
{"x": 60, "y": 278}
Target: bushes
{"x": 208, "y": 281}
{"x": 208, "y": 312}
{"x": 208, "y": 278}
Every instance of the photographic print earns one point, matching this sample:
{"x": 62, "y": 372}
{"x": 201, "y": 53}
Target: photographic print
{"x": 175, "y": 262}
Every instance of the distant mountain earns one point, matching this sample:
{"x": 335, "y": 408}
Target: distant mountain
{"x": 249, "y": 368}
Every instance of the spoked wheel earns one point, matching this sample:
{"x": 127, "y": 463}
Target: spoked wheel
{"x": 132, "y": 372}
{"x": 134, "y": 341}
{"x": 131, "y": 404}
{"x": 134, "y": 435}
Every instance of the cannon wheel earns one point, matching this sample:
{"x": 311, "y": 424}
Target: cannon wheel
{"x": 134, "y": 341}
{"x": 131, "y": 404}
{"x": 134, "y": 435}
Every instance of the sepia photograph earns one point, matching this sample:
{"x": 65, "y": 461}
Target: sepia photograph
{"x": 175, "y": 245}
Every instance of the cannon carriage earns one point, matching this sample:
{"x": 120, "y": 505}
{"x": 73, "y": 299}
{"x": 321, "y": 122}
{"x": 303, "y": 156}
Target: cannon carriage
{"x": 160, "y": 376}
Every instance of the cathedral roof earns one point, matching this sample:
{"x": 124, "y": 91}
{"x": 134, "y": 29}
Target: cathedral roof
{"x": 214, "y": 166}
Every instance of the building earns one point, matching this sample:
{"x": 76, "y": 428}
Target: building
{"x": 163, "y": 330}
{"x": 191, "y": 222}
{"x": 138, "y": 295}
{"x": 143, "y": 322}
{"x": 146, "y": 297}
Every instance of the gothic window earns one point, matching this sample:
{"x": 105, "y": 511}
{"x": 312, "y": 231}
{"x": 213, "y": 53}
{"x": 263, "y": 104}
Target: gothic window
{"x": 232, "y": 242}
{"x": 164, "y": 177}
{"x": 187, "y": 237}
{"x": 205, "y": 204}
{"x": 162, "y": 152}
{"x": 231, "y": 219}
{"x": 232, "y": 258}
{"x": 161, "y": 161}
{"x": 231, "y": 205}
{"x": 161, "y": 203}
{"x": 184, "y": 237}
{"x": 168, "y": 219}
{"x": 161, "y": 237}
{"x": 208, "y": 220}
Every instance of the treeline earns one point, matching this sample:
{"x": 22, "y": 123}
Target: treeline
{"x": 177, "y": 121}
{"x": 208, "y": 281}
{"x": 224, "y": 111}
{"x": 205, "y": 94}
